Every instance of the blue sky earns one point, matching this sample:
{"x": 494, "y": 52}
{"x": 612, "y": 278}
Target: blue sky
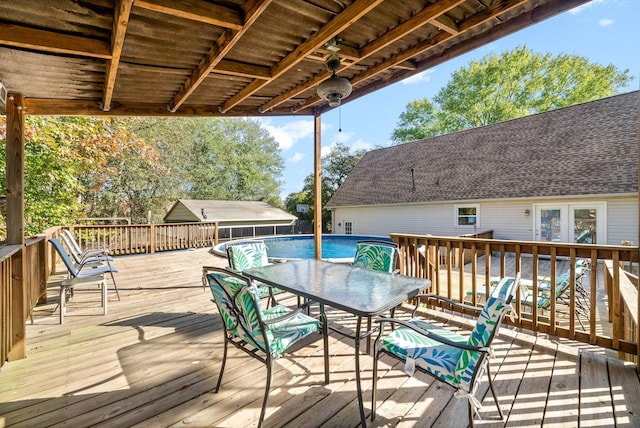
{"x": 604, "y": 31}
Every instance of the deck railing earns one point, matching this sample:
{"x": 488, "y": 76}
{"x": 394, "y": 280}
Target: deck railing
{"x": 24, "y": 272}
{"x": 146, "y": 238}
{"x": 576, "y": 314}
{"x": 23, "y": 280}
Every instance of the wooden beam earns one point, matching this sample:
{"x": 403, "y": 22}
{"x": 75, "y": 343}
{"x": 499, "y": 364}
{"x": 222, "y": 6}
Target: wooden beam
{"x": 49, "y": 41}
{"x": 317, "y": 186}
{"x": 15, "y": 169}
{"x": 196, "y": 10}
{"x": 339, "y": 23}
{"x": 218, "y": 51}
{"x": 122, "y": 11}
{"x": 46, "y": 107}
{"x": 15, "y": 222}
{"x": 421, "y": 18}
{"x": 444, "y": 23}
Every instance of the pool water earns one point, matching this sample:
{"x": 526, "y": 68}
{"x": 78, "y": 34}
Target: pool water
{"x": 302, "y": 247}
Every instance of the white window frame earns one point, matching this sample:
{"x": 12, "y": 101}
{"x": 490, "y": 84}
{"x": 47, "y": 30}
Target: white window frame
{"x": 457, "y": 217}
{"x": 348, "y": 227}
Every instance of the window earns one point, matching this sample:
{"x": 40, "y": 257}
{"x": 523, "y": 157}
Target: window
{"x": 467, "y": 215}
{"x": 348, "y": 227}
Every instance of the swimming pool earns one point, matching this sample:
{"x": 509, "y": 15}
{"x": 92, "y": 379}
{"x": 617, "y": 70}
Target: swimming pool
{"x": 302, "y": 247}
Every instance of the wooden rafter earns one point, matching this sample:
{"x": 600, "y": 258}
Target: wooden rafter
{"x": 222, "y": 46}
{"x": 495, "y": 33}
{"x": 423, "y": 17}
{"x": 341, "y": 21}
{"x": 467, "y": 25}
{"x": 122, "y": 12}
{"x": 195, "y": 10}
{"x": 49, "y": 41}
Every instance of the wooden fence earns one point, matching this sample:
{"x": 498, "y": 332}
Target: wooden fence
{"x": 576, "y": 315}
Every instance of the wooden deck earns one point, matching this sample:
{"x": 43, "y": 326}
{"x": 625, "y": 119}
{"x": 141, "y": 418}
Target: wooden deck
{"x": 153, "y": 359}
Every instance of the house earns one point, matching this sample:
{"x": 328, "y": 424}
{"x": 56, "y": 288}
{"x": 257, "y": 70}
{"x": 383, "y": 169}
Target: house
{"x": 248, "y": 217}
{"x": 567, "y": 175}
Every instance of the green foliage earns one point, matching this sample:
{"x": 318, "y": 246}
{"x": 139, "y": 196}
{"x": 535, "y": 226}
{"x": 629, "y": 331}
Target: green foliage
{"x": 129, "y": 167}
{"x": 335, "y": 168}
{"x": 507, "y": 86}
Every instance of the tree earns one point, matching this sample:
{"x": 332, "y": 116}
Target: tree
{"x": 507, "y": 86}
{"x": 336, "y": 166}
{"x": 65, "y": 156}
{"x": 233, "y": 159}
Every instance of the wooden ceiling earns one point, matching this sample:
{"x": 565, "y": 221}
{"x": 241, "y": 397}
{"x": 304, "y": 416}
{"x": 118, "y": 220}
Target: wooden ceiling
{"x": 234, "y": 57}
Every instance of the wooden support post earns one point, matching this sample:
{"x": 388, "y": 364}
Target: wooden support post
{"x": 15, "y": 222}
{"x": 317, "y": 189}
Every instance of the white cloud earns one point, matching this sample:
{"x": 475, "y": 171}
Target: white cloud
{"x": 290, "y": 133}
{"x": 424, "y": 76}
{"x": 582, "y": 8}
{"x": 605, "y": 22}
{"x": 325, "y": 150}
{"x": 361, "y": 145}
{"x": 297, "y": 157}
{"x": 343, "y": 137}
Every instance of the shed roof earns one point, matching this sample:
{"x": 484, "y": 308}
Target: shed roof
{"x": 234, "y": 57}
{"x": 231, "y": 211}
{"x": 586, "y": 149}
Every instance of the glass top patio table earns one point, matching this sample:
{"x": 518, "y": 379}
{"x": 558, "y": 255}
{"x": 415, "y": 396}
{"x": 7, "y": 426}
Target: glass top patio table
{"x": 359, "y": 291}
{"x": 355, "y": 290}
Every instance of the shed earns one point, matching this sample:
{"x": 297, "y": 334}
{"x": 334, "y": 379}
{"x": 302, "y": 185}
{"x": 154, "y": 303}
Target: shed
{"x": 228, "y": 213}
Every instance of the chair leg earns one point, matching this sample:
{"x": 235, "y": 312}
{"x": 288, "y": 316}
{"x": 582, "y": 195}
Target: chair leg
{"x": 266, "y": 393}
{"x": 493, "y": 392}
{"x": 224, "y": 360}
{"x": 470, "y": 413}
{"x": 63, "y": 297}
{"x": 114, "y": 285}
{"x": 374, "y": 382}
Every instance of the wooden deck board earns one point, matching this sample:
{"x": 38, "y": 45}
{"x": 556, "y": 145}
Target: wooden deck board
{"x": 153, "y": 360}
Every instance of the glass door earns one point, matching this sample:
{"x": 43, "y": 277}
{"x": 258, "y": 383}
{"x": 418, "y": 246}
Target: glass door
{"x": 580, "y": 223}
{"x": 549, "y": 223}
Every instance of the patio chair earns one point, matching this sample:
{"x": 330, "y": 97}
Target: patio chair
{"x": 84, "y": 269}
{"x": 77, "y": 253}
{"x": 563, "y": 288}
{"x": 78, "y": 277}
{"x": 93, "y": 256}
{"x": 446, "y": 355}
{"x": 264, "y": 334}
{"x": 249, "y": 254}
{"x": 376, "y": 255}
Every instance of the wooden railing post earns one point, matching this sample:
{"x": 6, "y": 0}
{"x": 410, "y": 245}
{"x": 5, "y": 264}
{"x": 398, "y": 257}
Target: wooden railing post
{"x": 152, "y": 238}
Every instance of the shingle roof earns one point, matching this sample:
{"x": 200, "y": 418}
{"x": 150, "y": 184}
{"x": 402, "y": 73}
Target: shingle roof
{"x": 590, "y": 148}
{"x": 234, "y": 211}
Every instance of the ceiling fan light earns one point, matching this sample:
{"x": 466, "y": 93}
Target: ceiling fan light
{"x": 334, "y": 89}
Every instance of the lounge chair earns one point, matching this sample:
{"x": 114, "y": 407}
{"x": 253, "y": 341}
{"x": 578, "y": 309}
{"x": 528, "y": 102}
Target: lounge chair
{"x": 264, "y": 334}
{"x": 78, "y": 254}
{"x": 82, "y": 275}
{"x": 96, "y": 257}
{"x": 456, "y": 360}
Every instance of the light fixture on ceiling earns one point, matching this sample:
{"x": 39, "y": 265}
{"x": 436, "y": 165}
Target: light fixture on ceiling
{"x": 335, "y": 88}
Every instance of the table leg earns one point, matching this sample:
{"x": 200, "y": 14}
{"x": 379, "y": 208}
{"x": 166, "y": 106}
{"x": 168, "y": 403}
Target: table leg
{"x": 325, "y": 338}
{"x": 363, "y": 420}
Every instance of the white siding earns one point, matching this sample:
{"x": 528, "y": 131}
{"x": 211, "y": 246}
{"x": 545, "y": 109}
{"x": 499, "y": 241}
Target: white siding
{"x": 506, "y": 218}
{"x": 622, "y": 221}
